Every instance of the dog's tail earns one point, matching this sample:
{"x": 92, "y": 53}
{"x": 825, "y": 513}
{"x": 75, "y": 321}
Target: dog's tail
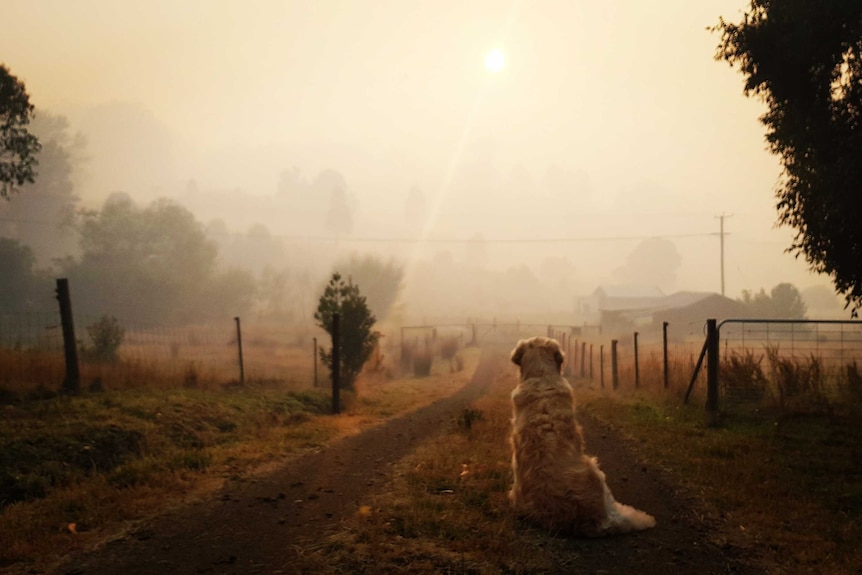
{"x": 625, "y": 519}
{"x": 620, "y": 518}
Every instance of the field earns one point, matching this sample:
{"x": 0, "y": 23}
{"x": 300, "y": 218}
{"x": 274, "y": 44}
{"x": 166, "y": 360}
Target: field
{"x": 780, "y": 486}
{"x": 74, "y": 469}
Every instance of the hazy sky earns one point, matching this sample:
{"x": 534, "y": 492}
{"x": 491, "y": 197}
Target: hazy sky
{"x": 622, "y": 95}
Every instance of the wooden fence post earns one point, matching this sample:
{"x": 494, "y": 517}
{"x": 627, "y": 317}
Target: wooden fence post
{"x": 637, "y": 365}
{"x": 602, "y": 365}
{"x": 664, "y": 351}
{"x": 615, "y": 374}
{"x": 315, "y": 358}
{"x": 336, "y": 363}
{"x": 72, "y": 381}
{"x": 583, "y": 357}
{"x": 239, "y": 349}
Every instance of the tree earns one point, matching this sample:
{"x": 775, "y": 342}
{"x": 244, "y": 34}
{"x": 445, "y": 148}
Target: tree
{"x": 356, "y": 328}
{"x": 41, "y": 215}
{"x": 783, "y": 302}
{"x": 381, "y": 281}
{"x": 654, "y": 261}
{"x": 18, "y": 147}
{"x": 804, "y": 61}
{"x": 152, "y": 264}
{"x": 18, "y": 281}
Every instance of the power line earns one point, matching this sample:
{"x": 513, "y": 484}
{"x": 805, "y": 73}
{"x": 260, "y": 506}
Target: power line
{"x": 403, "y": 240}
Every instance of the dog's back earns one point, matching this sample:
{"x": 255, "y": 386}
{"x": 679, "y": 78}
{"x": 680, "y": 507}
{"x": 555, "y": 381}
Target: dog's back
{"x": 555, "y": 483}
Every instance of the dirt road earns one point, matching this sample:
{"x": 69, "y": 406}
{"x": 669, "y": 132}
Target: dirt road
{"x": 259, "y": 525}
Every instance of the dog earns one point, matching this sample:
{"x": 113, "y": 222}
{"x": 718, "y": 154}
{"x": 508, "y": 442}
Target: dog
{"x": 555, "y": 484}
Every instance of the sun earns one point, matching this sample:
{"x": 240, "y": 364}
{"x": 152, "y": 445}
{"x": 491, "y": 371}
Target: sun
{"x": 495, "y": 61}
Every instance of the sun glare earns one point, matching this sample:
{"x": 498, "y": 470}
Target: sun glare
{"x": 495, "y": 61}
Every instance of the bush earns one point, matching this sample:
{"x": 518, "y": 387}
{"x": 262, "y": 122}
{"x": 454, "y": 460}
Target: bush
{"x": 449, "y": 347}
{"x": 107, "y": 336}
{"x": 422, "y": 363}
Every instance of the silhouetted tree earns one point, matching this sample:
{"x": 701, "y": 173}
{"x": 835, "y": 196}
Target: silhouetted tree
{"x": 18, "y": 147}
{"x": 41, "y": 216}
{"x": 356, "y": 327}
{"x": 804, "y": 61}
{"x": 783, "y": 302}
{"x": 654, "y": 261}
{"x": 18, "y": 279}
{"x": 151, "y": 264}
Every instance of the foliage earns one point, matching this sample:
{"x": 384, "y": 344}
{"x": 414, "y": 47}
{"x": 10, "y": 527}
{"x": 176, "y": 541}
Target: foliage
{"x": 107, "y": 336}
{"x": 41, "y": 215}
{"x": 804, "y": 61}
{"x": 800, "y": 381}
{"x": 152, "y": 264}
{"x": 18, "y": 147}
{"x": 381, "y": 281}
{"x": 19, "y": 278}
{"x": 783, "y": 302}
{"x": 742, "y": 377}
{"x": 356, "y": 327}
{"x": 422, "y": 361}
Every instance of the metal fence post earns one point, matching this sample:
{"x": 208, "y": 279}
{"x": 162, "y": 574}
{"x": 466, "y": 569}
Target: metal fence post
{"x": 637, "y": 366}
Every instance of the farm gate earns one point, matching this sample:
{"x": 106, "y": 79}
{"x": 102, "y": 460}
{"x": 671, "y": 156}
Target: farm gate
{"x": 808, "y": 365}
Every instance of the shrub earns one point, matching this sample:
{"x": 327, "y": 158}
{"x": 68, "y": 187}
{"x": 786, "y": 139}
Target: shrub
{"x": 107, "y": 336}
{"x": 422, "y": 363}
{"x": 449, "y": 347}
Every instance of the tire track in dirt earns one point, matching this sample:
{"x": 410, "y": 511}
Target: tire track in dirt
{"x": 258, "y": 525}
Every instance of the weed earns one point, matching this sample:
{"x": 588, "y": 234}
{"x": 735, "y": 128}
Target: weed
{"x": 742, "y": 378}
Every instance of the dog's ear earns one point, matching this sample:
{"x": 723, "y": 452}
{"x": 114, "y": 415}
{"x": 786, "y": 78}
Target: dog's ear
{"x": 559, "y": 357}
{"x": 518, "y": 352}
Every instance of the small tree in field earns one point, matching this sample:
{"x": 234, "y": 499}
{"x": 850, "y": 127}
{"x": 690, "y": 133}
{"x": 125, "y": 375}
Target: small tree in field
{"x": 356, "y": 328}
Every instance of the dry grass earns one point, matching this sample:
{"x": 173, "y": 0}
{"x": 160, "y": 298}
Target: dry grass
{"x": 788, "y": 490}
{"x": 74, "y": 469}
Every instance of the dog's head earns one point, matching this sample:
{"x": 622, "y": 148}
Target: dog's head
{"x": 537, "y": 355}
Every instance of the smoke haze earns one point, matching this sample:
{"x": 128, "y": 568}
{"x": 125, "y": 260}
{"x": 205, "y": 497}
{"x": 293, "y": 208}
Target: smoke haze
{"x": 603, "y": 152}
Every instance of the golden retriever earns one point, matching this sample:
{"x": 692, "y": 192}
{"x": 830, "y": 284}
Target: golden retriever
{"x": 556, "y": 485}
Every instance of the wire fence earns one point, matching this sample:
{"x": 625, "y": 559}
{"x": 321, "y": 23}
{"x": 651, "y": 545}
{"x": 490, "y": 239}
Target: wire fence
{"x": 32, "y": 354}
{"x": 804, "y": 365}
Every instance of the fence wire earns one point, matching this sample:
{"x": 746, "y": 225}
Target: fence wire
{"x": 32, "y": 355}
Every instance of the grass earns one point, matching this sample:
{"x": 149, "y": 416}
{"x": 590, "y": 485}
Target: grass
{"x": 787, "y": 489}
{"x": 75, "y": 469}
{"x": 785, "y": 485}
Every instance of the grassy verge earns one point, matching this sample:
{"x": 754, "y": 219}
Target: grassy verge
{"x": 786, "y": 486}
{"x": 74, "y": 469}
{"x": 788, "y": 490}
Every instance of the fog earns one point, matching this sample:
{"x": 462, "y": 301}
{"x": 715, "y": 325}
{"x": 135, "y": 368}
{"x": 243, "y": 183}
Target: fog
{"x": 508, "y": 193}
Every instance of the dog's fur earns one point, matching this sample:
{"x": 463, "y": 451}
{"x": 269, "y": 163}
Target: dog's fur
{"x": 556, "y": 485}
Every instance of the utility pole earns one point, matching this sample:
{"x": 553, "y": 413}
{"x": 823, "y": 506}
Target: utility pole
{"x": 722, "y": 234}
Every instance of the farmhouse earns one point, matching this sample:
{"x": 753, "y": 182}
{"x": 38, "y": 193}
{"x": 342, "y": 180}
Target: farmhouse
{"x": 616, "y": 309}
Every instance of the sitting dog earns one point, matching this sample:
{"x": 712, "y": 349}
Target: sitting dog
{"x": 556, "y": 485}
